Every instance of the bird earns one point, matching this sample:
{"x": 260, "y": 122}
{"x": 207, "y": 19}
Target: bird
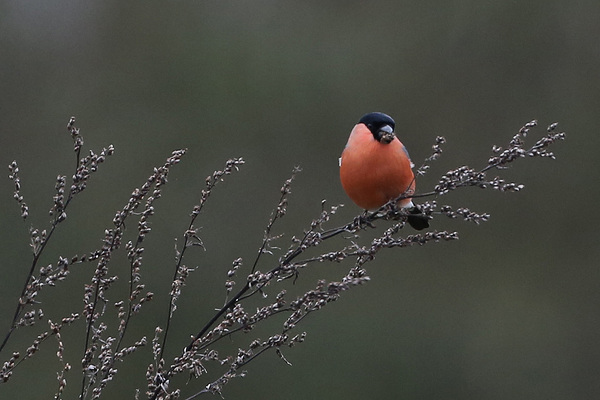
{"x": 375, "y": 168}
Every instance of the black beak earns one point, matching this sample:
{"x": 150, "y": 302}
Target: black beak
{"x": 385, "y": 134}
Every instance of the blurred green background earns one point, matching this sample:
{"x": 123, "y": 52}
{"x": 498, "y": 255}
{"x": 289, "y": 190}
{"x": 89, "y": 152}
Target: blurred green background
{"x": 509, "y": 311}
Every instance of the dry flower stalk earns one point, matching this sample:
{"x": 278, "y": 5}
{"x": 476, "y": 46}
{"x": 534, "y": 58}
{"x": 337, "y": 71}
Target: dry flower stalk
{"x": 263, "y": 280}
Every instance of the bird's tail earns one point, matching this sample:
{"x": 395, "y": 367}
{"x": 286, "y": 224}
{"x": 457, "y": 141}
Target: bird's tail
{"x": 417, "y": 219}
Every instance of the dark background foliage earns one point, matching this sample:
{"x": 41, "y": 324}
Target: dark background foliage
{"x": 509, "y": 311}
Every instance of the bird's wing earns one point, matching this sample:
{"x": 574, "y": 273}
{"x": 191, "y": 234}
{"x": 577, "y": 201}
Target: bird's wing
{"x": 412, "y": 165}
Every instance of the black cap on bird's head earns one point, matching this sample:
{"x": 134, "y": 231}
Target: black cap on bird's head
{"x": 381, "y": 126}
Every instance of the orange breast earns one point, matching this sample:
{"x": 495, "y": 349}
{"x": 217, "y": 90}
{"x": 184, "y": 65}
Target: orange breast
{"x": 372, "y": 173}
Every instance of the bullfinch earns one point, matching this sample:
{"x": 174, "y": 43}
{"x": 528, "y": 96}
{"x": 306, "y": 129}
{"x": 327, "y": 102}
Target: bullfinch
{"x": 375, "y": 168}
